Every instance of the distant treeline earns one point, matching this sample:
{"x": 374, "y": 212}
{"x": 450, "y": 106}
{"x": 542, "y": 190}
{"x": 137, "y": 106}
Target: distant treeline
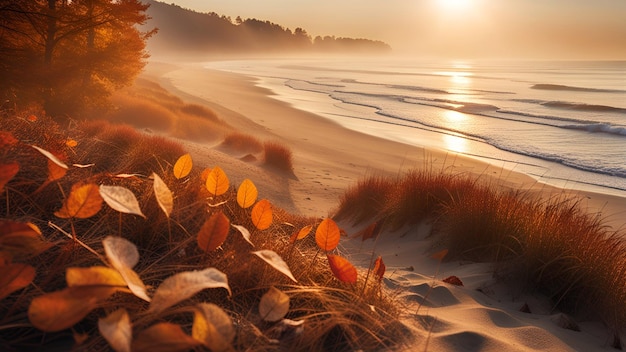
{"x": 186, "y": 31}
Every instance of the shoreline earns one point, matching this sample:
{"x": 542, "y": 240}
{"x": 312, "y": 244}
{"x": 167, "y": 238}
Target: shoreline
{"x": 329, "y": 157}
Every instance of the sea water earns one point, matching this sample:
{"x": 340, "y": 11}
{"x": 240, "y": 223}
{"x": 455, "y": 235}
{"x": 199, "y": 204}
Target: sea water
{"x": 563, "y": 123}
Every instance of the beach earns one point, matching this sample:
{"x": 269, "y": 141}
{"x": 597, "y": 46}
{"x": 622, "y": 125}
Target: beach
{"x": 482, "y": 315}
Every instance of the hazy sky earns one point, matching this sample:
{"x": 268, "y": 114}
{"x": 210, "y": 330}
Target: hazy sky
{"x": 567, "y": 29}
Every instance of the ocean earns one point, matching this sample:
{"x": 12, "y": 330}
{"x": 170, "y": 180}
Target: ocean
{"x": 564, "y": 123}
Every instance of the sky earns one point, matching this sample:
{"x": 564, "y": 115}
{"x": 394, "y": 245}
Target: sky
{"x": 457, "y": 29}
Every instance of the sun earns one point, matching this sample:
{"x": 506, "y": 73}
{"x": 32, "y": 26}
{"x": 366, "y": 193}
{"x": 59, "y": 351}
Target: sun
{"x": 454, "y": 5}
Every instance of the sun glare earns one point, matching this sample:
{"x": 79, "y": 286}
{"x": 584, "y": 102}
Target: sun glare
{"x": 454, "y": 5}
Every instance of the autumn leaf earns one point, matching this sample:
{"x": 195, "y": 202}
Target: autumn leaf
{"x": 217, "y": 182}
{"x": 213, "y": 327}
{"x": 371, "y": 231}
{"x": 205, "y": 174}
{"x": 55, "y": 172}
{"x": 50, "y": 157}
{"x": 123, "y": 255}
{"x": 7, "y": 172}
{"x": 32, "y": 118}
{"x": 213, "y": 232}
{"x": 342, "y": 268}
{"x": 327, "y": 235}
{"x": 246, "y": 194}
{"x": 379, "y": 268}
{"x": 298, "y": 235}
{"x": 121, "y": 199}
{"x": 116, "y": 328}
{"x": 163, "y": 337}
{"x": 84, "y": 201}
{"x": 60, "y": 310}
{"x": 21, "y": 239}
{"x": 71, "y": 142}
{"x": 181, "y": 286}
{"x": 163, "y": 195}
{"x": 274, "y": 305}
{"x": 273, "y": 259}
{"x": 262, "y": 215}
{"x": 183, "y": 166}
{"x": 14, "y": 277}
{"x": 7, "y": 140}
{"x": 92, "y": 276}
{"x": 453, "y": 280}
{"x": 244, "y": 233}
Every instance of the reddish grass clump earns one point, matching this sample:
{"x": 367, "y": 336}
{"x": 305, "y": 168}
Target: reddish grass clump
{"x": 242, "y": 142}
{"x": 278, "y": 156}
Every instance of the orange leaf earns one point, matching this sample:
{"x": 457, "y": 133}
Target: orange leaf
{"x": 217, "y": 182}
{"x": 83, "y": 202}
{"x": 164, "y": 337}
{"x": 262, "y": 214}
{"x": 298, "y": 235}
{"x": 7, "y": 139}
{"x": 19, "y": 239}
{"x": 183, "y": 166}
{"x": 205, "y": 174}
{"x": 60, "y": 310}
{"x": 55, "y": 171}
{"x": 440, "y": 255}
{"x": 71, "y": 143}
{"x": 7, "y": 172}
{"x": 372, "y": 231}
{"x": 342, "y": 268}
{"x": 95, "y": 275}
{"x": 14, "y": 277}
{"x": 246, "y": 194}
{"x": 327, "y": 235}
{"x": 379, "y": 268}
{"x": 213, "y": 232}
{"x": 31, "y": 118}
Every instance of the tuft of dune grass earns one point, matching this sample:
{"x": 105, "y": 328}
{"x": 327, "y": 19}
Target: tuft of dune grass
{"x": 278, "y": 156}
{"x": 551, "y": 245}
{"x": 242, "y": 142}
{"x": 337, "y": 316}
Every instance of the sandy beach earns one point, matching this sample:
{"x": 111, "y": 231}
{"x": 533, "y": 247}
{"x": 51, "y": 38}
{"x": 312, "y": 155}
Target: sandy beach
{"x": 480, "y": 316}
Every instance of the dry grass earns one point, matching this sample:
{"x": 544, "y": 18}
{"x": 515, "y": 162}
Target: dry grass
{"x": 278, "y": 156}
{"x": 337, "y": 316}
{"x": 242, "y": 142}
{"x": 552, "y": 245}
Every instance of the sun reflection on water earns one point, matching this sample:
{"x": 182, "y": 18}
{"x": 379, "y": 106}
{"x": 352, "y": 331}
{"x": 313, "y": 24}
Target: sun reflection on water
{"x": 455, "y": 143}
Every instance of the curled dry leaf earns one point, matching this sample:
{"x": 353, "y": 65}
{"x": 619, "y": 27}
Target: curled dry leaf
{"x": 95, "y": 275}
{"x": 213, "y": 327}
{"x": 60, "y": 310}
{"x": 181, "y": 286}
{"x": 244, "y": 232}
{"x": 163, "y": 337}
{"x": 274, "y": 305}
{"x": 262, "y": 214}
{"x": 342, "y": 269}
{"x": 163, "y": 195}
{"x": 217, "y": 181}
{"x": 273, "y": 259}
{"x": 84, "y": 201}
{"x": 453, "y": 280}
{"x": 7, "y": 172}
{"x": 327, "y": 235}
{"x": 246, "y": 194}
{"x": 121, "y": 199}
{"x": 183, "y": 166}
{"x": 123, "y": 255}
{"x": 298, "y": 235}
{"x": 14, "y": 277}
{"x": 213, "y": 232}
{"x": 50, "y": 157}
{"x": 379, "y": 268}
{"x": 116, "y": 328}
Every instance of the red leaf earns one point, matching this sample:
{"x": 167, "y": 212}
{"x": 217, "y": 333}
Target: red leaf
{"x": 453, "y": 280}
{"x": 327, "y": 235}
{"x": 342, "y": 269}
{"x": 214, "y": 232}
{"x": 379, "y": 268}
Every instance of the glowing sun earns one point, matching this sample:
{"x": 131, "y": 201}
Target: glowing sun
{"x": 454, "y": 5}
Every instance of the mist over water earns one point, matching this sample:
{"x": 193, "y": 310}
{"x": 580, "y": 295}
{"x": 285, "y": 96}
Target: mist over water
{"x": 561, "y": 122}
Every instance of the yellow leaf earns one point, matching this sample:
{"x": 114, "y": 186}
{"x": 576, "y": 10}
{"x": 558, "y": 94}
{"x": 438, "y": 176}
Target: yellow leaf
{"x": 181, "y": 286}
{"x": 60, "y": 310}
{"x": 246, "y": 194}
{"x": 205, "y": 174}
{"x": 163, "y": 195}
{"x": 183, "y": 166}
{"x": 327, "y": 235}
{"x": 117, "y": 330}
{"x": 121, "y": 199}
{"x": 7, "y": 172}
{"x": 55, "y": 172}
{"x": 298, "y": 235}
{"x": 163, "y": 337}
{"x": 95, "y": 275}
{"x": 217, "y": 182}
{"x": 213, "y": 232}
{"x": 123, "y": 255}
{"x": 84, "y": 201}
{"x": 213, "y": 327}
{"x": 14, "y": 277}
{"x": 262, "y": 214}
{"x": 273, "y": 259}
{"x": 342, "y": 269}
{"x": 274, "y": 305}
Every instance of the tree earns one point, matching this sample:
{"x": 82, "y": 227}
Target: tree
{"x": 70, "y": 55}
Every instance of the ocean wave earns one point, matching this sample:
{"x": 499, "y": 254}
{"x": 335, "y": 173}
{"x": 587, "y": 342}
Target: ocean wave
{"x": 582, "y": 107}
{"x": 546, "y": 86}
{"x": 599, "y": 128}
